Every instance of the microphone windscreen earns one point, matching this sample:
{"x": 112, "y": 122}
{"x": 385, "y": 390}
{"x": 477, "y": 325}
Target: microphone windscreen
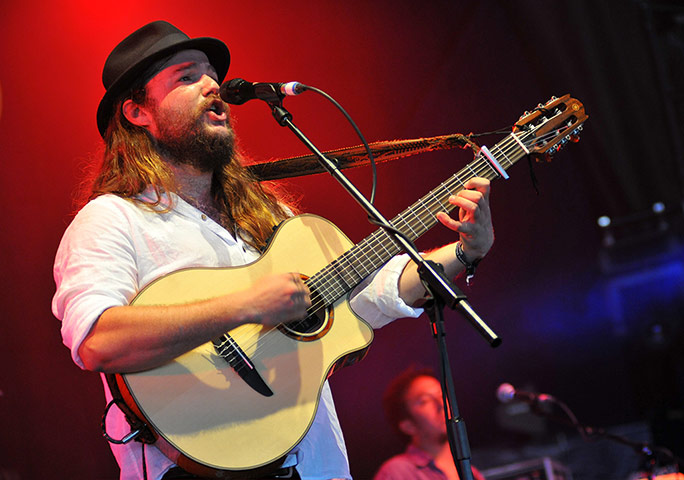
{"x": 505, "y": 393}
{"x": 236, "y": 91}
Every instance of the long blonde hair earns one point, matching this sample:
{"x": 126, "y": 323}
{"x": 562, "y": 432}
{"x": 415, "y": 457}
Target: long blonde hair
{"x": 130, "y": 163}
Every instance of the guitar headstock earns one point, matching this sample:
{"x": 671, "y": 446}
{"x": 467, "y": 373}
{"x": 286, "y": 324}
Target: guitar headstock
{"x": 550, "y": 126}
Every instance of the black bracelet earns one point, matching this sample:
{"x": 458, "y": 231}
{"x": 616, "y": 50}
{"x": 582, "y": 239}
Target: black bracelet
{"x": 469, "y": 266}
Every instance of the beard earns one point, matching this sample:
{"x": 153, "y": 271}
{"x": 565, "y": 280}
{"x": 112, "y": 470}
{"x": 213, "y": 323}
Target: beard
{"x": 186, "y": 139}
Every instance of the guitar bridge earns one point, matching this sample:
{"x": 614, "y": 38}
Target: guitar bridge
{"x": 231, "y": 352}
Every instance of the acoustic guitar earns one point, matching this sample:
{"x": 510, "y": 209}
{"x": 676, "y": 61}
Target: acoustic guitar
{"x": 240, "y": 403}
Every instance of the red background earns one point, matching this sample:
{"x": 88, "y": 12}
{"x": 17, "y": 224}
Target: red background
{"x": 402, "y": 70}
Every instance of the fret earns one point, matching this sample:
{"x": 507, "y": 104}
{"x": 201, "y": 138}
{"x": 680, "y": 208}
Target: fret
{"x": 503, "y": 154}
{"x": 490, "y": 167}
{"x": 407, "y": 225}
{"x": 345, "y": 275}
{"x": 458, "y": 179}
{"x": 471, "y": 170}
{"x": 439, "y": 201}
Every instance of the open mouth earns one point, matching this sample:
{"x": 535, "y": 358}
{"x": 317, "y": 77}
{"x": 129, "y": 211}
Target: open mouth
{"x": 217, "y": 111}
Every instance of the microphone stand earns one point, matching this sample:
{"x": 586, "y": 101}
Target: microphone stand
{"x": 440, "y": 288}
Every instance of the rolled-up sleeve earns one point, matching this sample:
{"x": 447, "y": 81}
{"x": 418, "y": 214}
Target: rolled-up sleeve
{"x": 95, "y": 269}
{"x": 377, "y": 300}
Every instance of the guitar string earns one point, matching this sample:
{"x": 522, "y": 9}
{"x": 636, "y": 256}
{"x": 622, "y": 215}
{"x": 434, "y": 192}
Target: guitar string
{"x": 511, "y": 140}
{"x": 477, "y": 168}
{"x": 339, "y": 290}
{"x": 423, "y": 203}
{"x": 483, "y": 166}
{"x": 457, "y": 177}
{"x": 325, "y": 291}
{"x": 427, "y": 201}
{"x": 323, "y": 288}
{"x": 483, "y": 163}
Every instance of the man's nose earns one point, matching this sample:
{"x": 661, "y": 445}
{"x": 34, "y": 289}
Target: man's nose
{"x": 209, "y": 86}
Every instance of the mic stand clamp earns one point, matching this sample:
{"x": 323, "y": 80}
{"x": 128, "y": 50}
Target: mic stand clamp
{"x": 441, "y": 289}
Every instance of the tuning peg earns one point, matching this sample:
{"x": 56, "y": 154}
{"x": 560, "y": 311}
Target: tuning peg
{"x": 574, "y": 137}
{"x": 552, "y": 99}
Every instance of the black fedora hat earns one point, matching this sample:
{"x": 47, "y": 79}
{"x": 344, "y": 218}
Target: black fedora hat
{"x": 140, "y": 50}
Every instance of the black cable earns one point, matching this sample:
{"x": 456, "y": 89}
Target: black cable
{"x": 144, "y": 463}
{"x": 358, "y": 132}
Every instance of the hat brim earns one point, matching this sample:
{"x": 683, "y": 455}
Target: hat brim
{"x": 215, "y": 50}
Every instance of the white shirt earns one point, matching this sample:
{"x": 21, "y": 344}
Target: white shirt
{"x": 114, "y": 247}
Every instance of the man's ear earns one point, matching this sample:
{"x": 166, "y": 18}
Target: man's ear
{"x": 136, "y": 114}
{"x": 407, "y": 426}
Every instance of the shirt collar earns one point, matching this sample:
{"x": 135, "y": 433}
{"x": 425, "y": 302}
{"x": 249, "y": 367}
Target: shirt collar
{"x": 183, "y": 208}
{"x": 419, "y": 457}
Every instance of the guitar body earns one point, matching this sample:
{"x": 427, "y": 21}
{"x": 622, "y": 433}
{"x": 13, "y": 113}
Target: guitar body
{"x": 201, "y": 408}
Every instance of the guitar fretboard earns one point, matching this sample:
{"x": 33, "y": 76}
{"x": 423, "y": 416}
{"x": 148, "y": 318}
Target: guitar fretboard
{"x": 350, "y": 268}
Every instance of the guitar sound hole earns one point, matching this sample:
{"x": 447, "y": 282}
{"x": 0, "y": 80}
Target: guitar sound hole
{"x": 311, "y": 328}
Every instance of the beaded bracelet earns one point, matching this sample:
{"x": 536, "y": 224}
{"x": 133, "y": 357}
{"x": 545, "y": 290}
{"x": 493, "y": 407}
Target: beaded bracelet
{"x": 469, "y": 266}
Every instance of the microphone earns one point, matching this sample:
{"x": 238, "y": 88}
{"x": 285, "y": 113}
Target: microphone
{"x": 238, "y": 91}
{"x": 507, "y": 393}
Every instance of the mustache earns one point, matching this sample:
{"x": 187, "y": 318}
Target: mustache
{"x": 214, "y": 101}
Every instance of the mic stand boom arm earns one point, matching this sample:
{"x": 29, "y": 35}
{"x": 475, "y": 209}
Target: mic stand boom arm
{"x": 440, "y": 288}
{"x": 651, "y": 454}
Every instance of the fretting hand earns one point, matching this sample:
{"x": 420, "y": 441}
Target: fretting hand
{"x": 474, "y": 222}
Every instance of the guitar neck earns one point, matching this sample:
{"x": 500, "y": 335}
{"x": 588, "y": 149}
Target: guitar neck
{"x": 348, "y": 270}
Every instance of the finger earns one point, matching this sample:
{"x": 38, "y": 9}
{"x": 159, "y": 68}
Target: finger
{"x": 464, "y": 225}
{"x": 464, "y": 202}
{"x": 448, "y": 222}
{"x": 474, "y": 196}
{"x": 471, "y": 201}
{"x": 302, "y": 289}
{"x": 468, "y": 206}
{"x": 480, "y": 184}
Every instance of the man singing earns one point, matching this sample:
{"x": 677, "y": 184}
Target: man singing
{"x": 171, "y": 193}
